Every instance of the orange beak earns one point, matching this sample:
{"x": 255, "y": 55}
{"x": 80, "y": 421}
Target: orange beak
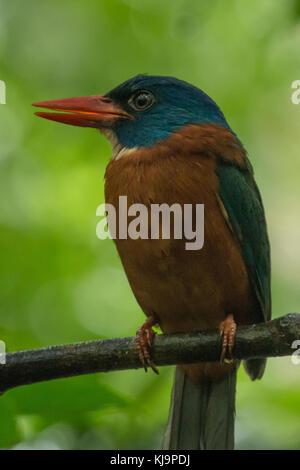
{"x": 84, "y": 111}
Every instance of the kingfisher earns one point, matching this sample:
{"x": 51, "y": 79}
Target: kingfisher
{"x": 171, "y": 144}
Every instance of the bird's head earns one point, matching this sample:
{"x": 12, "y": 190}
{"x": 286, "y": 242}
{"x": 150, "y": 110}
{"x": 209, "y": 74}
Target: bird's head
{"x": 140, "y": 112}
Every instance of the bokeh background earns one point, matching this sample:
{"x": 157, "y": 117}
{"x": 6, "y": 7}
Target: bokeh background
{"x": 59, "y": 283}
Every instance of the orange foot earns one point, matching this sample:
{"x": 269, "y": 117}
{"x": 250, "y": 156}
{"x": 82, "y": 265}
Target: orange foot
{"x": 144, "y": 340}
{"x": 227, "y": 330}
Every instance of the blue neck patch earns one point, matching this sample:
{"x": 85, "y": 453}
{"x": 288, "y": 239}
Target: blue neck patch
{"x": 176, "y": 104}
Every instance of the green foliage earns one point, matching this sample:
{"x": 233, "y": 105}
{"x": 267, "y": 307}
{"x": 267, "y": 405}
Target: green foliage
{"x": 59, "y": 283}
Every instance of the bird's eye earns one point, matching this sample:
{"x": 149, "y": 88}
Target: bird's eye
{"x": 142, "y": 100}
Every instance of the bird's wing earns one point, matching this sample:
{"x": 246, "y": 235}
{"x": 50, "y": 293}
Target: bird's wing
{"x": 242, "y": 202}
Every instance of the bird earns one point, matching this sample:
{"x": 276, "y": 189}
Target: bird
{"x": 171, "y": 144}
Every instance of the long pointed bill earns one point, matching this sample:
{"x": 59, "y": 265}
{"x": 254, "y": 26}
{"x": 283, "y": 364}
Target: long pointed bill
{"x": 84, "y": 111}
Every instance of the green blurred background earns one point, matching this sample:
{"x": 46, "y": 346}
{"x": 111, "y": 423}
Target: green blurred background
{"x": 59, "y": 283}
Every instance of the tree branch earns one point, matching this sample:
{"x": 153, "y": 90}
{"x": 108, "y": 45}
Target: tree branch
{"x": 270, "y": 339}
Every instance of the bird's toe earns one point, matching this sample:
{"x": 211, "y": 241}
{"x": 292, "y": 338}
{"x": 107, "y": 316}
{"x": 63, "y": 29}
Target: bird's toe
{"x": 227, "y": 330}
{"x": 144, "y": 341}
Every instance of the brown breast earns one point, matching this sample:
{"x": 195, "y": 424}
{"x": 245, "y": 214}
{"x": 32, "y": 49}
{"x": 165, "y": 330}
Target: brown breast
{"x": 187, "y": 290}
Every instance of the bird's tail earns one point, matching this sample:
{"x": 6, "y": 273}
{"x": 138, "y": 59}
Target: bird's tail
{"x": 201, "y": 416}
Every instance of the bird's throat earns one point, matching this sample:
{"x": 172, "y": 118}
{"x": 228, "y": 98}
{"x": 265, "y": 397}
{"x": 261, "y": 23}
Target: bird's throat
{"x": 118, "y": 150}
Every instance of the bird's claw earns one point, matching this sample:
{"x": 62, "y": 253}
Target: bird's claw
{"x": 227, "y": 330}
{"x": 144, "y": 341}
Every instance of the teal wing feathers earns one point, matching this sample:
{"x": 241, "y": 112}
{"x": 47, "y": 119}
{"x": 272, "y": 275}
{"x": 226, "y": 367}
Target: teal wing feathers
{"x": 242, "y": 201}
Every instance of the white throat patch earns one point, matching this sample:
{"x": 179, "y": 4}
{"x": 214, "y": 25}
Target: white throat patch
{"x": 117, "y": 150}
